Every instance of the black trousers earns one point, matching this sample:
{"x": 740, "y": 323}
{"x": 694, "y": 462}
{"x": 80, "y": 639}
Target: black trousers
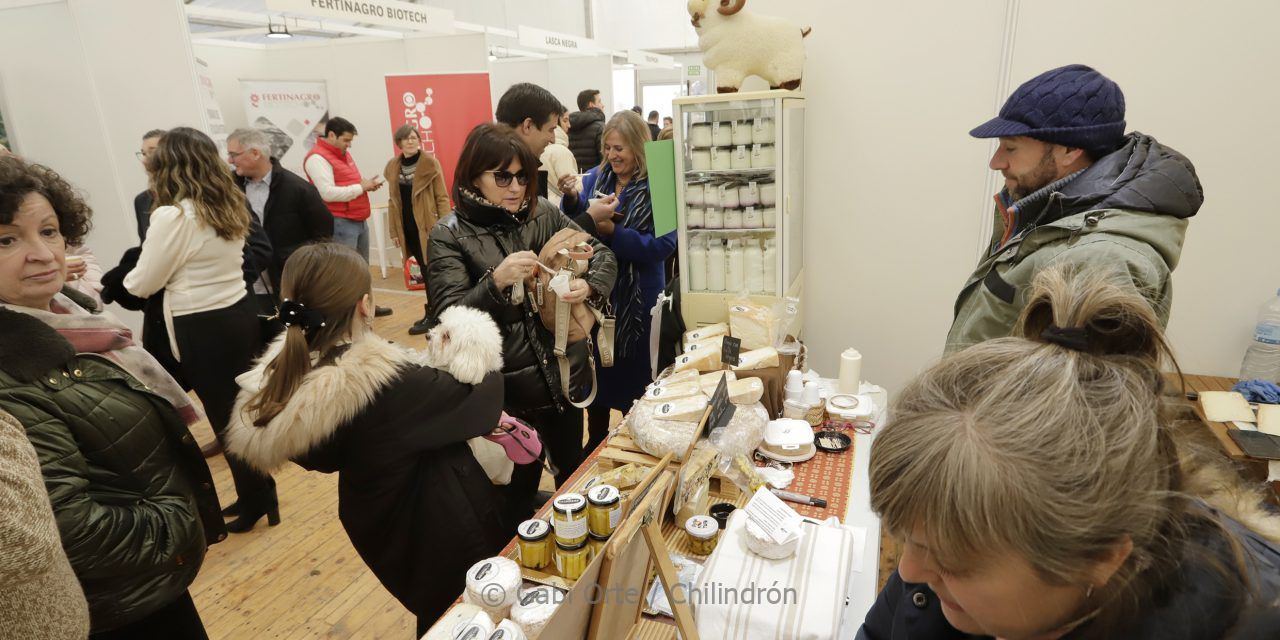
{"x": 597, "y": 426}
{"x": 215, "y": 347}
{"x": 561, "y": 435}
{"x": 177, "y": 620}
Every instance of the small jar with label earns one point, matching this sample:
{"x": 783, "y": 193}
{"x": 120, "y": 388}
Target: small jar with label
{"x": 572, "y": 559}
{"x": 604, "y": 509}
{"x": 569, "y": 515}
{"x": 696, "y": 217}
{"x": 703, "y": 533}
{"x": 535, "y": 543}
{"x": 733, "y": 219}
{"x": 713, "y": 218}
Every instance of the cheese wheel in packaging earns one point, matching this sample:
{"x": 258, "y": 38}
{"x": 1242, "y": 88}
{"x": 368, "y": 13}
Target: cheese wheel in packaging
{"x": 534, "y": 608}
{"x": 492, "y": 585}
{"x": 455, "y": 619}
{"x": 507, "y": 630}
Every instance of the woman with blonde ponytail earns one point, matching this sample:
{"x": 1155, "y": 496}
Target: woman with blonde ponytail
{"x": 1043, "y": 488}
{"x": 332, "y": 396}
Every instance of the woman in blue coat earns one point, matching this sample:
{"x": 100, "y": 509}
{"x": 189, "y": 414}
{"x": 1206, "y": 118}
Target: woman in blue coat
{"x": 617, "y": 200}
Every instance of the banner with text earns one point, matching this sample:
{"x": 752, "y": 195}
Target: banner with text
{"x": 444, "y": 108}
{"x": 392, "y": 13}
{"x": 292, "y": 114}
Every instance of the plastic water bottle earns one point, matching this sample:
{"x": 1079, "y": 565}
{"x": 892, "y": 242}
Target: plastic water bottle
{"x": 1262, "y": 360}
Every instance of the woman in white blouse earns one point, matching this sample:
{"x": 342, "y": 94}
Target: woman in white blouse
{"x": 194, "y": 251}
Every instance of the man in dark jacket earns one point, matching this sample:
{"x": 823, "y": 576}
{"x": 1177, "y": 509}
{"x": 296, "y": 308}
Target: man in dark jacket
{"x": 1077, "y": 189}
{"x": 533, "y": 112}
{"x": 586, "y": 128}
{"x": 142, "y": 201}
{"x": 289, "y": 207}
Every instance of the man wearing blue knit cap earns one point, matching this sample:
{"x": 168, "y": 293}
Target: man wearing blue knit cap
{"x": 1076, "y": 189}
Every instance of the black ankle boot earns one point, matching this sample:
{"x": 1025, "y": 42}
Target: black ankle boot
{"x": 232, "y": 510}
{"x": 246, "y": 520}
{"x": 424, "y": 325}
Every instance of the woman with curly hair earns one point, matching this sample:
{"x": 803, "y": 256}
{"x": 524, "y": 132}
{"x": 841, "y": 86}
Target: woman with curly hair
{"x": 194, "y": 251}
{"x": 132, "y": 497}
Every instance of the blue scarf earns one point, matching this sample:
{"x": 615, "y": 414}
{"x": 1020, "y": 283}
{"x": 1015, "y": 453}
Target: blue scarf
{"x": 637, "y": 214}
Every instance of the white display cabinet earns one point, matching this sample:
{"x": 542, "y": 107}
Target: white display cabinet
{"x": 739, "y": 189}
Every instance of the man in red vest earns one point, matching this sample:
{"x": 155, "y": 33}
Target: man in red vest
{"x": 330, "y": 167}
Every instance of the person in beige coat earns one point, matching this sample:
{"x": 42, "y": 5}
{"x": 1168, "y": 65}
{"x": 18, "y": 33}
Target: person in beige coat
{"x": 418, "y": 199}
{"x": 41, "y": 598}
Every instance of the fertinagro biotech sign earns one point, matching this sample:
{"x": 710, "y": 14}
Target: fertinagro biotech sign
{"x": 292, "y": 114}
{"x": 405, "y": 15}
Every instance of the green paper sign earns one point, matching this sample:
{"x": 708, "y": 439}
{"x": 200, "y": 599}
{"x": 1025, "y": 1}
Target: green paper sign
{"x": 660, "y": 157}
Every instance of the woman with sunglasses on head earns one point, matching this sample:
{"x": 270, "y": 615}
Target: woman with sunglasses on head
{"x": 333, "y": 396}
{"x": 475, "y": 255}
{"x": 1048, "y": 486}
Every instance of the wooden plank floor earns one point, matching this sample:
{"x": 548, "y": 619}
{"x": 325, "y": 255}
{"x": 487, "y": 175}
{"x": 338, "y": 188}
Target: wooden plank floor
{"x": 302, "y": 579}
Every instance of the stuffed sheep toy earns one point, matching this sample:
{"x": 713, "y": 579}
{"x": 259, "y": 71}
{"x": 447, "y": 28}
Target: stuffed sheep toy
{"x": 736, "y": 44}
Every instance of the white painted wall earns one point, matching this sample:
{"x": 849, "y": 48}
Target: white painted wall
{"x": 648, "y": 25}
{"x": 505, "y": 73}
{"x": 79, "y": 95}
{"x": 898, "y": 193}
{"x": 568, "y": 76}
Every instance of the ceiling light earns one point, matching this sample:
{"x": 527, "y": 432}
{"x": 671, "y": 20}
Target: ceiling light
{"x": 278, "y": 31}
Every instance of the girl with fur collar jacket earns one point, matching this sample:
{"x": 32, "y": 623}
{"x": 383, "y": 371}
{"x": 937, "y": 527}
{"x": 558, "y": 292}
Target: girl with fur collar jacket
{"x": 332, "y": 396}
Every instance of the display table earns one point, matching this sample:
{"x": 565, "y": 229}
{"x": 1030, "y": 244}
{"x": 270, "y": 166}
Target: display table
{"x": 1253, "y": 468}
{"x": 863, "y": 583}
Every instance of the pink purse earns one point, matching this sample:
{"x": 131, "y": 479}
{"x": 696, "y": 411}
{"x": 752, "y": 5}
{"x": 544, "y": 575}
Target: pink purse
{"x": 518, "y": 439}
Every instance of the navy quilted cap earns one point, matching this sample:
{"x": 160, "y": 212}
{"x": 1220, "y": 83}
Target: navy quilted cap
{"x": 1073, "y": 106}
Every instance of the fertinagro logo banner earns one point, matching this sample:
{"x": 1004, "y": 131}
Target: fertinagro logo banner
{"x": 292, "y": 114}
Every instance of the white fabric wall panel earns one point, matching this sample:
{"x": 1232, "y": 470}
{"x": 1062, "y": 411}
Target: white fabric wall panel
{"x": 504, "y": 73}
{"x": 1191, "y": 79}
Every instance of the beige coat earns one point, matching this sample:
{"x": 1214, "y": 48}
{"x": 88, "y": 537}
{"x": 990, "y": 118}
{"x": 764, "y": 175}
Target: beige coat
{"x": 41, "y": 597}
{"x": 430, "y": 198}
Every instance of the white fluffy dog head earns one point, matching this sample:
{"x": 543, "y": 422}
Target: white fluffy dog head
{"x": 466, "y": 343}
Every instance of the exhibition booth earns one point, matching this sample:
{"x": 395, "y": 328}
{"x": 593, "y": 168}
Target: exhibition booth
{"x": 816, "y": 227}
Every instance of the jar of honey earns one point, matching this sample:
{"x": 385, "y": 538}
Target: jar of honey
{"x": 604, "y": 509}
{"x": 535, "y": 543}
{"x": 569, "y": 515}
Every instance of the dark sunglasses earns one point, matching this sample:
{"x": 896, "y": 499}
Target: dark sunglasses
{"x": 503, "y": 178}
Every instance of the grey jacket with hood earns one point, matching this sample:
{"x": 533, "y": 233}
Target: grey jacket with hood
{"x": 1128, "y": 211}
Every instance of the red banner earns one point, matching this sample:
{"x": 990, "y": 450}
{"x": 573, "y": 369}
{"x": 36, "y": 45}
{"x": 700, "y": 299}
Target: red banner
{"x": 444, "y": 108}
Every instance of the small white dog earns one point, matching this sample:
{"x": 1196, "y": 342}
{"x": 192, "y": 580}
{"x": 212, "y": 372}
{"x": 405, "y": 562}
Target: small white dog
{"x": 466, "y": 343}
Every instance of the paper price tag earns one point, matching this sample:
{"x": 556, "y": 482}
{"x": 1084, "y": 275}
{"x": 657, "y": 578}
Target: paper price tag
{"x": 773, "y": 516}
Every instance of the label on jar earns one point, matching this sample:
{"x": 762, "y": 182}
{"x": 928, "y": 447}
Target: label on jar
{"x": 755, "y": 189}
{"x": 702, "y": 527}
{"x": 742, "y": 152}
{"x": 715, "y": 128}
{"x": 533, "y": 529}
{"x": 721, "y": 189}
{"x": 614, "y": 516}
{"x": 755, "y": 150}
{"x": 759, "y": 124}
{"x": 568, "y": 530}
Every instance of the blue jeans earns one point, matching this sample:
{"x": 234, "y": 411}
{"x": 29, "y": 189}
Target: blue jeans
{"x": 353, "y": 234}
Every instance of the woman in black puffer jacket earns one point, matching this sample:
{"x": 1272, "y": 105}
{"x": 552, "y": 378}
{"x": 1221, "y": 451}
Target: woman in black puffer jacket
{"x": 489, "y": 242}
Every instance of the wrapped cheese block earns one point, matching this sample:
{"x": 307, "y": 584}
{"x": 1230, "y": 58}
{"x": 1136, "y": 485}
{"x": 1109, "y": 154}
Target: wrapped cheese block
{"x": 704, "y": 360}
{"x": 673, "y": 392}
{"x": 754, "y": 325}
{"x": 534, "y": 608}
{"x": 716, "y": 343}
{"x": 758, "y": 359}
{"x": 710, "y": 381}
{"x": 455, "y": 619}
{"x": 688, "y": 375}
{"x": 492, "y": 585}
{"x": 658, "y": 437}
{"x": 688, "y": 409}
{"x": 702, "y": 333}
{"x": 748, "y": 391}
